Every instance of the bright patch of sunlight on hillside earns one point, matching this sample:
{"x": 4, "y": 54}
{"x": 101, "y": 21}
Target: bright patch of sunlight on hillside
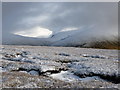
{"x": 38, "y": 32}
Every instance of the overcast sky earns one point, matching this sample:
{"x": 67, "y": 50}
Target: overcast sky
{"x": 48, "y": 18}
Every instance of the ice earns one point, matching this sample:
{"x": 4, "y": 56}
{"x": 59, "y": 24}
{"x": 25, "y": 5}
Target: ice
{"x": 33, "y": 72}
{"x": 0, "y": 69}
{"x": 45, "y": 68}
{"x": 65, "y": 76}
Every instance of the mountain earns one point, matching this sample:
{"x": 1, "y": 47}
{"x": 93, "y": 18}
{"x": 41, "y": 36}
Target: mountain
{"x": 76, "y": 38}
{"x": 73, "y": 38}
{"x": 87, "y": 38}
{"x": 13, "y": 39}
{"x": 60, "y": 36}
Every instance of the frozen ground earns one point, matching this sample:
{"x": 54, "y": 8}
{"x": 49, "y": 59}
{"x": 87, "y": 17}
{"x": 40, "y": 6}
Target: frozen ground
{"x": 58, "y": 67}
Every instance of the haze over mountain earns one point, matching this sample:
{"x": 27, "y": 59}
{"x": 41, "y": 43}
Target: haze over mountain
{"x": 59, "y": 24}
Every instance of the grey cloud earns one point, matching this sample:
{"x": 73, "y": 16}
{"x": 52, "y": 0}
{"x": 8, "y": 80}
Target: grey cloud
{"x": 0, "y": 12}
{"x": 101, "y": 16}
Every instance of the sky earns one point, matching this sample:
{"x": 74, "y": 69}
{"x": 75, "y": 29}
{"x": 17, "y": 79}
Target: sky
{"x": 42, "y": 19}
{"x": 0, "y": 23}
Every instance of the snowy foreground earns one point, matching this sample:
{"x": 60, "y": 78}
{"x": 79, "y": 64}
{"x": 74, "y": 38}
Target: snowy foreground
{"x": 58, "y": 67}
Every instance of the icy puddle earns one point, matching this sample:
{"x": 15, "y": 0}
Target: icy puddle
{"x": 65, "y": 76}
{"x": 70, "y": 77}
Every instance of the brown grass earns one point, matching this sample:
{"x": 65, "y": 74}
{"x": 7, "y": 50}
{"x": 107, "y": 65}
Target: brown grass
{"x": 106, "y": 44}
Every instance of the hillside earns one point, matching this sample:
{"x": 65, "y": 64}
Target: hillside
{"x": 76, "y": 38}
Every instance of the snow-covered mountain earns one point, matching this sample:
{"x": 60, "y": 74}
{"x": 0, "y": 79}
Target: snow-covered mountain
{"x": 13, "y": 39}
{"x": 81, "y": 38}
{"x": 60, "y": 36}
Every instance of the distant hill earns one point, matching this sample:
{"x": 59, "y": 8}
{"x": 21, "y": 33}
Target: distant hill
{"x": 13, "y": 39}
{"x": 76, "y": 38}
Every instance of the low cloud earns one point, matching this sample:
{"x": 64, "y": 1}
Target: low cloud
{"x": 35, "y": 32}
{"x": 26, "y": 19}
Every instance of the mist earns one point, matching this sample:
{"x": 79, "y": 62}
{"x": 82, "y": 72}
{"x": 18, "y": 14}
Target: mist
{"x": 42, "y": 20}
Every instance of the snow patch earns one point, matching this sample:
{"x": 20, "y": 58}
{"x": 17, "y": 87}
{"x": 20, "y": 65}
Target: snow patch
{"x": 45, "y": 68}
{"x": 70, "y": 77}
{"x": 95, "y": 56}
{"x": 65, "y": 76}
{"x": 69, "y": 29}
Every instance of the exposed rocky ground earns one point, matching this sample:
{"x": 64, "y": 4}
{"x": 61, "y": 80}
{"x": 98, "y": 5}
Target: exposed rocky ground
{"x": 58, "y": 67}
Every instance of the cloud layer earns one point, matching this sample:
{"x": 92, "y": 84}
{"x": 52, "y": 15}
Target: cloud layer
{"x": 100, "y": 18}
{"x": 37, "y": 32}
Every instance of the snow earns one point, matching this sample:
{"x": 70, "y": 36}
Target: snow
{"x": 69, "y": 29}
{"x": 12, "y": 57}
{"x": 45, "y": 68}
{"x": 94, "y": 56}
{"x": 23, "y": 71}
{"x": 65, "y": 76}
{"x": 70, "y": 77}
{"x": 66, "y": 38}
{"x": 29, "y": 85}
{"x": 0, "y": 69}
{"x": 67, "y": 64}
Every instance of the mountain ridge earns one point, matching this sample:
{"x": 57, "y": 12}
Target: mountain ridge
{"x": 75, "y": 38}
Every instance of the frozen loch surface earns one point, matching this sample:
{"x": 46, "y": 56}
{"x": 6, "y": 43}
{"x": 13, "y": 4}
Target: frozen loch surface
{"x": 58, "y": 67}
